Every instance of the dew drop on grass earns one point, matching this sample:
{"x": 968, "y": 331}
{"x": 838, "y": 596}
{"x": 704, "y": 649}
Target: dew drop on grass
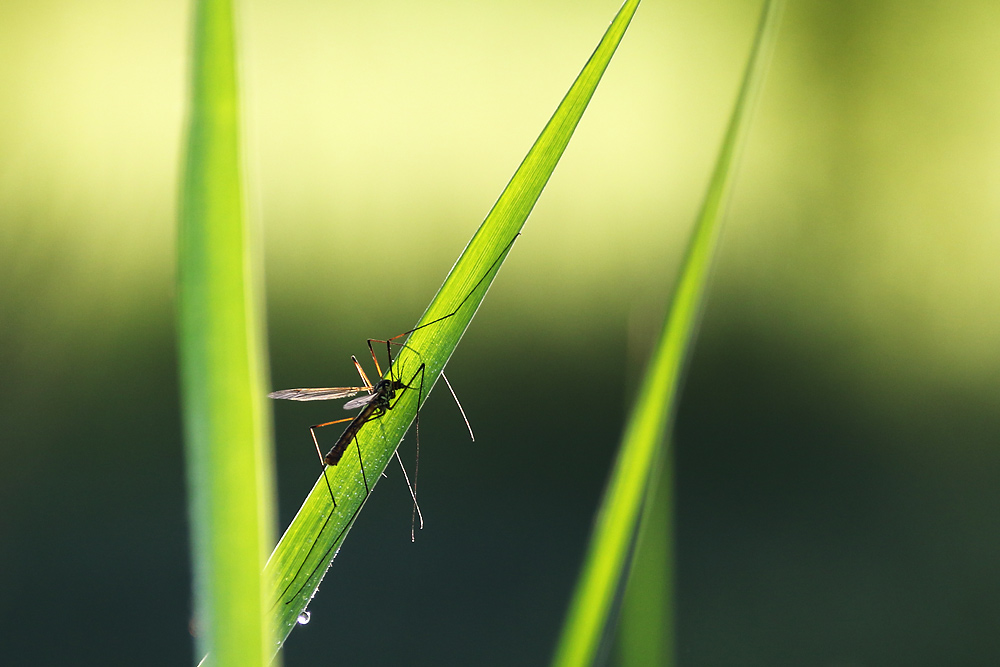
{"x": 304, "y": 617}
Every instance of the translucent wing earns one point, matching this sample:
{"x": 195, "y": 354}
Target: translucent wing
{"x": 318, "y": 394}
{"x": 359, "y": 401}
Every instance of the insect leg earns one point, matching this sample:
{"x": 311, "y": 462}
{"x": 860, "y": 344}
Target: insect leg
{"x": 461, "y": 303}
{"x": 388, "y": 350}
{"x": 394, "y": 339}
{"x": 416, "y": 463}
{"x": 412, "y": 487}
{"x": 413, "y": 495}
{"x": 459, "y": 404}
{"x": 361, "y": 372}
{"x": 445, "y": 377}
{"x": 362, "y": 463}
{"x": 312, "y": 432}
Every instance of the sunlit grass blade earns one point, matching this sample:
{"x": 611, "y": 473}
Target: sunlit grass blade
{"x": 636, "y": 467}
{"x": 222, "y": 367}
{"x": 303, "y": 555}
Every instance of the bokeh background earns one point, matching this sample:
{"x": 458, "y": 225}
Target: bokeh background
{"x": 836, "y": 446}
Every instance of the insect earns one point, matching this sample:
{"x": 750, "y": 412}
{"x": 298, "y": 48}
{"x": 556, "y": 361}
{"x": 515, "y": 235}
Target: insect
{"x": 375, "y": 403}
{"x": 378, "y": 399}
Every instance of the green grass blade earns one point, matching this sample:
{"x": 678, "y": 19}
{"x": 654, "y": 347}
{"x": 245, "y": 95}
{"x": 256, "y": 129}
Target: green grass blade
{"x": 646, "y": 625}
{"x": 635, "y": 469}
{"x": 222, "y": 365}
{"x": 303, "y": 555}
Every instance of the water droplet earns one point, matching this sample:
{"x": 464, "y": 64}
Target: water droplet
{"x": 304, "y": 617}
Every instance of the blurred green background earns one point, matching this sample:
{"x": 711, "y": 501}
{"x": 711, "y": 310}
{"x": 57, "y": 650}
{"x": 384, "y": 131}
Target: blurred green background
{"x": 836, "y": 448}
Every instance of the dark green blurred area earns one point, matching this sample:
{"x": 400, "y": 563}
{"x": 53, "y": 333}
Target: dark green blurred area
{"x": 836, "y": 447}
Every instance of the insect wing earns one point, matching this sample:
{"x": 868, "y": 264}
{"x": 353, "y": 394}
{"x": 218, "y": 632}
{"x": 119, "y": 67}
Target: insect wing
{"x": 317, "y": 394}
{"x": 360, "y": 401}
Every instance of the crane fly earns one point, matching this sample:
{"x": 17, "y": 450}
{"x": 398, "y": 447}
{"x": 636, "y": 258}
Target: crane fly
{"x": 377, "y": 400}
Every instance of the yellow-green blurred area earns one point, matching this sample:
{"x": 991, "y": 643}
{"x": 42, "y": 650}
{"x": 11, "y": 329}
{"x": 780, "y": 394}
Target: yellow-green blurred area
{"x": 836, "y": 449}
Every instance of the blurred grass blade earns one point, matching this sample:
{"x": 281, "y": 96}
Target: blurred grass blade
{"x": 636, "y": 467}
{"x": 303, "y": 555}
{"x": 222, "y": 367}
{"x": 646, "y": 624}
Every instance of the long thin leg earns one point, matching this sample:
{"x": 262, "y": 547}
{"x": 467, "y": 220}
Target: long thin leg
{"x": 416, "y": 461}
{"x": 361, "y": 372}
{"x": 319, "y": 452}
{"x": 416, "y": 470}
{"x": 322, "y": 463}
{"x": 361, "y": 461}
{"x": 461, "y": 303}
{"x": 459, "y": 404}
{"x": 312, "y": 430}
{"x": 412, "y": 494}
{"x": 445, "y": 377}
{"x": 392, "y": 341}
{"x": 416, "y": 473}
{"x": 378, "y": 367}
{"x": 388, "y": 351}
